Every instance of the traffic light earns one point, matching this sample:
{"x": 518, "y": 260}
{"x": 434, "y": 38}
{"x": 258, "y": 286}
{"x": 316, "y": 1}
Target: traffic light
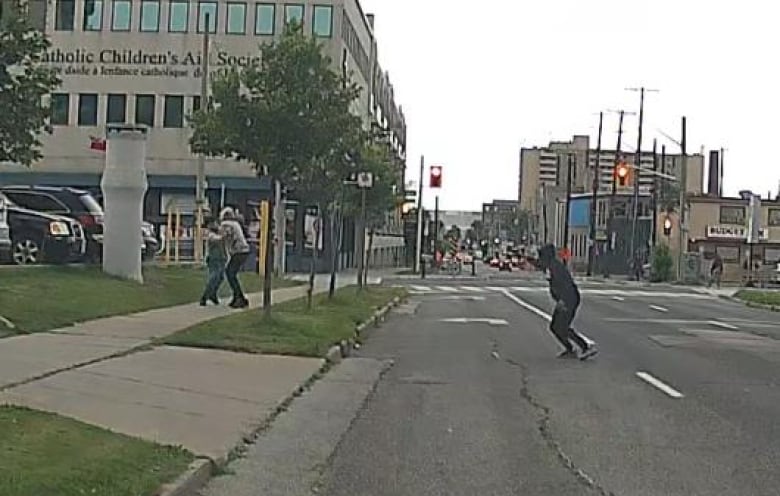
{"x": 621, "y": 174}
{"x": 435, "y": 176}
{"x": 667, "y": 226}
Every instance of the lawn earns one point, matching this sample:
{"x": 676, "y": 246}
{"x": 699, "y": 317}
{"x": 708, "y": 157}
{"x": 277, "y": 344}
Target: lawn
{"x": 43, "y": 298}
{"x": 46, "y": 455}
{"x": 760, "y": 297}
{"x": 292, "y": 328}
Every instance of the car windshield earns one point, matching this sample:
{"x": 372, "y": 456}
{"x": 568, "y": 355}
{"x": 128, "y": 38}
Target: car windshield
{"x": 91, "y": 204}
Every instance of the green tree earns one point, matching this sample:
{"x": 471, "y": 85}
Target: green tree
{"x": 24, "y": 84}
{"x": 289, "y": 116}
{"x": 662, "y": 265}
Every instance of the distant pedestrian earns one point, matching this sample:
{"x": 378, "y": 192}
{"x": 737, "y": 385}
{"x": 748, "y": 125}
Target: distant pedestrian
{"x": 216, "y": 259}
{"x": 238, "y": 251}
{"x": 567, "y": 300}
{"x": 716, "y": 271}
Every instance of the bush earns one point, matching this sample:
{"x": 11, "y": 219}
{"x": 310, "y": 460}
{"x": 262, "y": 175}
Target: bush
{"x": 663, "y": 263}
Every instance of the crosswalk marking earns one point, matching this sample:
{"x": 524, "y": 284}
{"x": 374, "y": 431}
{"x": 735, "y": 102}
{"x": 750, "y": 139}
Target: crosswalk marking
{"x": 615, "y": 294}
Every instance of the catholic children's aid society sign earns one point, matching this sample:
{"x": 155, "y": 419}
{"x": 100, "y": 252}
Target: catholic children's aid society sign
{"x": 110, "y": 62}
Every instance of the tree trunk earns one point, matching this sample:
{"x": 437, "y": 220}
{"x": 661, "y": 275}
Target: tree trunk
{"x": 368, "y": 256}
{"x": 335, "y": 242}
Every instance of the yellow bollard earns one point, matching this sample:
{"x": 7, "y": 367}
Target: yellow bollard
{"x": 168, "y": 237}
{"x": 178, "y": 236}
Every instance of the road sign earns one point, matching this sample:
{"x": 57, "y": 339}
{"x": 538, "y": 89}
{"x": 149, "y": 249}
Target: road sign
{"x": 365, "y": 180}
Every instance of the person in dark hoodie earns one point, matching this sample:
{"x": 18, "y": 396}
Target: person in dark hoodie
{"x": 567, "y": 300}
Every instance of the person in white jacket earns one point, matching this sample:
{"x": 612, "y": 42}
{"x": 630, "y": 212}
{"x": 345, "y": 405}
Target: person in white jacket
{"x": 238, "y": 251}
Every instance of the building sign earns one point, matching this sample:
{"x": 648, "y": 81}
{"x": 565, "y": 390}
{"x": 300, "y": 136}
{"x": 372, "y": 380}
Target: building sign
{"x": 733, "y": 232}
{"x": 112, "y": 62}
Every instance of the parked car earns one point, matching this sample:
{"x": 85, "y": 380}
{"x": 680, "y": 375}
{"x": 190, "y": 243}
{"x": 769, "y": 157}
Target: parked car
{"x": 79, "y": 205}
{"x": 5, "y": 233}
{"x": 38, "y": 237}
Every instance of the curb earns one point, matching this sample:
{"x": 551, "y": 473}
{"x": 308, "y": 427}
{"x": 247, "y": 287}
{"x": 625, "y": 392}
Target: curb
{"x": 202, "y": 470}
{"x": 750, "y": 304}
{"x": 196, "y": 476}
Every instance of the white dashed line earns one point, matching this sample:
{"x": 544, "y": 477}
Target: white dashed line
{"x": 447, "y": 289}
{"x": 659, "y": 309}
{"x": 472, "y": 289}
{"x": 618, "y": 298}
{"x": 660, "y": 385}
{"x": 723, "y": 325}
{"x": 541, "y": 313}
{"x": 422, "y": 289}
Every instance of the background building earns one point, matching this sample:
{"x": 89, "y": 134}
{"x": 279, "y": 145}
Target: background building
{"x": 543, "y": 177}
{"x": 139, "y": 61}
{"x": 500, "y": 219}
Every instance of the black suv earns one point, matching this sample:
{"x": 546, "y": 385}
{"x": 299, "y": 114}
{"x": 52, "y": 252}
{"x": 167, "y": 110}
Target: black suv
{"x": 37, "y": 237}
{"x": 79, "y": 205}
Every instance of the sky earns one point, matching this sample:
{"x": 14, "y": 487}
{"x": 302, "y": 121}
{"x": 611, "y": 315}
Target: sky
{"x": 478, "y": 80}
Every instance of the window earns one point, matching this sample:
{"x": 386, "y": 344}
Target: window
{"x": 196, "y": 103}
{"x": 121, "y": 15}
{"x": 37, "y": 201}
{"x": 732, "y": 215}
{"x": 293, "y": 13}
{"x": 265, "y": 18}
{"x": 144, "y": 110}
{"x": 174, "y": 111}
{"x": 179, "y": 16}
{"x": 93, "y": 15}
{"x": 728, "y": 253}
{"x": 65, "y": 15}
{"x": 236, "y": 18}
{"x": 60, "y": 109}
{"x": 207, "y": 9}
{"x": 323, "y": 21}
{"x": 116, "y": 113}
{"x": 150, "y": 15}
{"x": 88, "y": 109}
{"x": 774, "y": 217}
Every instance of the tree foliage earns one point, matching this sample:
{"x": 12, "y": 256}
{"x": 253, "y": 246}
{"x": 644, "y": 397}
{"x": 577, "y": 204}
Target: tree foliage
{"x": 24, "y": 85}
{"x": 381, "y": 197}
{"x": 289, "y": 116}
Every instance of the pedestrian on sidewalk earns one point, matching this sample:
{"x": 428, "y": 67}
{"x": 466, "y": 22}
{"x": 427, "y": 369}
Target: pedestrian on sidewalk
{"x": 216, "y": 259}
{"x": 567, "y": 300}
{"x": 716, "y": 271}
{"x": 238, "y": 251}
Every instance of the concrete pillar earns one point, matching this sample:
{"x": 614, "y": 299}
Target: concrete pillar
{"x": 124, "y": 185}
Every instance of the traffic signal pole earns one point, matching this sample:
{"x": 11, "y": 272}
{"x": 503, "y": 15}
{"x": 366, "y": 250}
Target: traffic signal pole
{"x": 419, "y": 248}
{"x": 638, "y": 165}
{"x": 569, "y": 166}
{"x": 683, "y": 235}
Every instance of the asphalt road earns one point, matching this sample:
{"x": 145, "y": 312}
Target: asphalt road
{"x": 682, "y": 400}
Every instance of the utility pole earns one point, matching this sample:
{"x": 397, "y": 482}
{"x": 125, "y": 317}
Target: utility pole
{"x": 200, "y": 180}
{"x": 721, "y": 165}
{"x": 594, "y": 199}
{"x": 655, "y": 193}
{"x": 436, "y": 227}
{"x": 611, "y": 216}
{"x": 362, "y": 242}
{"x": 419, "y": 247}
{"x": 637, "y": 165}
{"x": 683, "y": 186}
{"x": 569, "y": 166}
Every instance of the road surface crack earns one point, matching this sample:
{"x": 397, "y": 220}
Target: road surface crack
{"x": 545, "y": 429}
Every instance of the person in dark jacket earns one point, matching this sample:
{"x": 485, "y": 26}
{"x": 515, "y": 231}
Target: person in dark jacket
{"x": 216, "y": 259}
{"x": 567, "y": 300}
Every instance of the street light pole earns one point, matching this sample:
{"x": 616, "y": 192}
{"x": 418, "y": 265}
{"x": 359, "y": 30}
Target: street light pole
{"x": 655, "y": 193}
{"x": 200, "y": 180}
{"x": 362, "y": 242}
{"x": 683, "y": 186}
{"x": 419, "y": 247}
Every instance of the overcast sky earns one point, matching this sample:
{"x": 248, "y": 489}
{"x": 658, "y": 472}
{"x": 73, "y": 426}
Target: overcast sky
{"x": 479, "y": 79}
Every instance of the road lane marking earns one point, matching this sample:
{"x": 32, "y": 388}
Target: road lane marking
{"x": 473, "y": 289}
{"x": 618, "y": 298}
{"x": 495, "y": 288}
{"x": 422, "y": 289}
{"x": 447, "y": 289}
{"x": 669, "y": 390}
{"x": 659, "y": 309}
{"x": 468, "y": 320}
{"x": 541, "y": 313}
{"x": 723, "y": 325}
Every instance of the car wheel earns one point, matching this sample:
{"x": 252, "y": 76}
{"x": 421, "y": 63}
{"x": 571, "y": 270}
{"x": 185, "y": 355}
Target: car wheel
{"x": 27, "y": 251}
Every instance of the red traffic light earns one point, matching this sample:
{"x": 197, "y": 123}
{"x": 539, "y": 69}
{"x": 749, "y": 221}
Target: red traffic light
{"x": 621, "y": 173}
{"x": 435, "y": 177}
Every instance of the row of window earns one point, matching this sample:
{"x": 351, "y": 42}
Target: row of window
{"x": 116, "y": 109}
{"x": 150, "y": 16}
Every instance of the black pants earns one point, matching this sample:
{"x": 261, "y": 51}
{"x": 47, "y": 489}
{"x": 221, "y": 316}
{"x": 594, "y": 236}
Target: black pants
{"x": 561, "y": 327}
{"x": 231, "y": 274}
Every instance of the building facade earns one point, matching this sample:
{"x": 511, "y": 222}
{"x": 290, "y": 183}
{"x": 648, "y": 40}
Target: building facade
{"x": 720, "y": 225}
{"x": 139, "y": 62}
{"x": 500, "y": 219}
